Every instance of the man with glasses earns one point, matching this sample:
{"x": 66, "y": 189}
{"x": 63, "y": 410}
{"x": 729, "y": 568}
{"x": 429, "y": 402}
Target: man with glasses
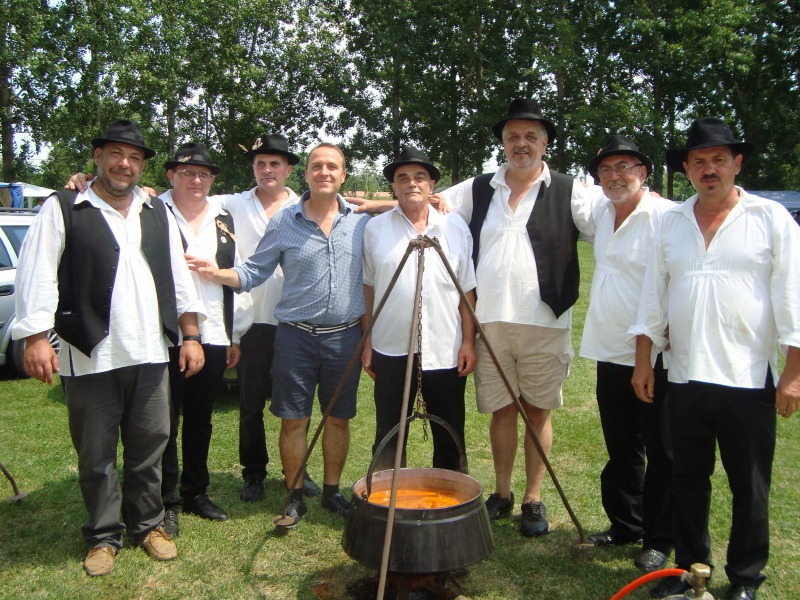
{"x": 525, "y": 220}
{"x": 208, "y": 231}
{"x": 636, "y": 498}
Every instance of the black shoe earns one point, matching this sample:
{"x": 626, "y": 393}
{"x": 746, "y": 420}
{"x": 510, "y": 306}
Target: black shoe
{"x": 203, "y": 507}
{"x": 534, "y": 519}
{"x": 669, "y": 586}
{"x": 310, "y": 489}
{"x": 171, "y": 521}
{"x": 336, "y": 504}
{"x": 296, "y": 510}
{"x": 741, "y": 592}
{"x": 650, "y": 560}
{"x": 609, "y": 538}
{"x": 498, "y": 507}
{"x": 252, "y": 490}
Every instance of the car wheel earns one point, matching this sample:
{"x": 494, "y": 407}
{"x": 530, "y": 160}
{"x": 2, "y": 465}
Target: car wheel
{"x": 16, "y": 354}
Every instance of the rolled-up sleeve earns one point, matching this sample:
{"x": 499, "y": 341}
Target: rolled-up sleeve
{"x": 651, "y": 316}
{"x": 785, "y": 283}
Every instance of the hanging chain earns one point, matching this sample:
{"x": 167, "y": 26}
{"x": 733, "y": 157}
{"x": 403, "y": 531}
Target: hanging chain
{"x": 421, "y": 406}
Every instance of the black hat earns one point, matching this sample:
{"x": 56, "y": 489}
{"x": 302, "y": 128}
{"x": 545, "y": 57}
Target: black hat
{"x": 124, "y": 132}
{"x": 706, "y": 133}
{"x": 618, "y": 145}
{"x": 527, "y": 109}
{"x": 409, "y": 156}
{"x": 271, "y": 143}
{"x": 192, "y": 153}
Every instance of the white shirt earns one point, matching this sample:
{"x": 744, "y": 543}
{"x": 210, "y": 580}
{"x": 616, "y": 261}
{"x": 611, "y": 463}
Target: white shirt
{"x": 203, "y": 244}
{"x": 727, "y": 306}
{"x": 135, "y": 333}
{"x": 386, "y": 239}
{"x": 620, "y": 259}
{"x": 508, "y": 281}
{"x": 251, "y": 223}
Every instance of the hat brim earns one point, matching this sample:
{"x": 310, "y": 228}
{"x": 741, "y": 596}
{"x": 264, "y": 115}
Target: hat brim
{"x": 596, "y": 160}
{"x": 389, "y": 170}
{"x": 677, "y": 156}
{"x": 171, "y": 164}
{"x": 101, "y": 141}
{"x": 292, "y": 158}
{"x": 497, "y": 128}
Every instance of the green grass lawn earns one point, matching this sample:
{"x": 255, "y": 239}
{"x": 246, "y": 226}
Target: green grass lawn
{"x": 41, "y": 549}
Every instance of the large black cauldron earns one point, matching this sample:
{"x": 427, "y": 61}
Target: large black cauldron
{"x": 423, "y": 540}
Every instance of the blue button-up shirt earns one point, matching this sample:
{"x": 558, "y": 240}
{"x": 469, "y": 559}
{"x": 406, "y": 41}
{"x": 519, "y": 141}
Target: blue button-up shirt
{"x": 324, "y": 278}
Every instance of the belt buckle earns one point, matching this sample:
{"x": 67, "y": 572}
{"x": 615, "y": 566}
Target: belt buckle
{"x": 313, "y": 331}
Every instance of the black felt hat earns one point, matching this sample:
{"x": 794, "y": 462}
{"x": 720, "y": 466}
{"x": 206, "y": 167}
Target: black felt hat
{"x": 271, "y": 143}
{"x": 618, "y": 145}
{"x": 526, "y": 109}
{"x": 124, "y": 132}
{"x": 411, "y": 156}
{"x": 706, "y": 133}
{"x": 192, "y": 153}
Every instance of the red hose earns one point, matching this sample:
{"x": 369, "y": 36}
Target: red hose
{"x": 645, "y": 578}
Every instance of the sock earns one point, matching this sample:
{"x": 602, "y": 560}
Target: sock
{"x": 297, "y": 494}
{"x": 329, "y": 490}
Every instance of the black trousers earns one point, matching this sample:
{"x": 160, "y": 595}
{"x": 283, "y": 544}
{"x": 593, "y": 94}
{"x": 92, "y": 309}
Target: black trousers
{"x": 636, "y": 483}
{"x": 443, "y": 392}
{"x": 194, "y": 397}
{"x": 742, "y": 422}
{"x": 255, "y": 386}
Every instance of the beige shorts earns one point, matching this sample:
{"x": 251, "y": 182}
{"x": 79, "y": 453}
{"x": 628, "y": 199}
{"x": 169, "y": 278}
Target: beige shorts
{"x": 535, "y": 360}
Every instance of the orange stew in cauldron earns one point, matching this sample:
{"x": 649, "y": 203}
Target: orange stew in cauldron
{"x": 416, "y": 498}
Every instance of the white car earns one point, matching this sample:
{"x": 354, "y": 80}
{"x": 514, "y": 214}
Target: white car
{"x": 14, "y": 224}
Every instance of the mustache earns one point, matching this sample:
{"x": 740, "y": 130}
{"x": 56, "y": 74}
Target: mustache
{"x": 707, "y": 178}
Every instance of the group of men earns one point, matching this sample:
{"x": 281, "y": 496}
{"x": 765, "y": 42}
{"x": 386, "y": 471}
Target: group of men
{"x": 717, "y": 273}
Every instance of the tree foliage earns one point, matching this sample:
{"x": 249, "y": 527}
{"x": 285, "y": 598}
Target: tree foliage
{"x": 381, "y": 74}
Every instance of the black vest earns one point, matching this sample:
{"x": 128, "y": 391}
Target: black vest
{"x": 88, "y": 270}
{"x": 553, "y": 234}
{"x": 226, "y": 253}
{"x": 225, "y": 257}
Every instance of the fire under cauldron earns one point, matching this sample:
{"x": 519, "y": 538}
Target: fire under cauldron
{"x": 424, "y": 540}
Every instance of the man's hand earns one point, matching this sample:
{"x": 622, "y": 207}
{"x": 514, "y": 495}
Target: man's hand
{"x": 78, "y": 182}
{"x": 233, "y": 355}
{"x": 40, "y": 360}
{"x": 374, "y": 207}
{"x": 208, "y": 270}
{"x": 191, "y": 358}
{"x": 438, "y": 202}
{"x": 643, "y": 380}
{"x": 467, "y": 359}
{"x": 366, "y": 359}
{"x": 787, "y": 393}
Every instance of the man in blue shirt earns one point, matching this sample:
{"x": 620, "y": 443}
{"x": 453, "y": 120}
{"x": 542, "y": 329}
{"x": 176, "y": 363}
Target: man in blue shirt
{"x": 317, "y": 243}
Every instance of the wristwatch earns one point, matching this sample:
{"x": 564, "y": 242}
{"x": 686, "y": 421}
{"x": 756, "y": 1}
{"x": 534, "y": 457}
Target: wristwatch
{"x": 193, "y": 338}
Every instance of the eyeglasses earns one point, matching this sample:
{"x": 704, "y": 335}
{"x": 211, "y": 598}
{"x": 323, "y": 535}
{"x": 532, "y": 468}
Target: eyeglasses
{"x": 623, "y": 169}
{"x": 195, "y": 174}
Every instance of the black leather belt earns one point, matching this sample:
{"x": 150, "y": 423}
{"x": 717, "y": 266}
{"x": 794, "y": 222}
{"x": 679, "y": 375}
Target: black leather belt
{"x": 318, "y": 329}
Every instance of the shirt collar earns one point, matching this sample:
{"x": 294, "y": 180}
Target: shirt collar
{"x": 500, "y": 176}
{"x": 90, "y": 196}
{"x": 435, "y": 218}
{"x": 344, "y": 207}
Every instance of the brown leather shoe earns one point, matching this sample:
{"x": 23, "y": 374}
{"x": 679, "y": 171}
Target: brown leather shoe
{"x": 159, "y": 545}
{"x": 99, "y": 560}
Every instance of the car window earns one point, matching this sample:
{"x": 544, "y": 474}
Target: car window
{"x": 15, "y": 233}
{"x": 5, "y": 258}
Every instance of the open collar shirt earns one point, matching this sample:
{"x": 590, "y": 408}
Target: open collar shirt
{"x": 508, "y": 281}
{"x": 620, "y": 259}
{"x": 323, "y": 274}
{"x": 251, "y": 223}
{"x": 727, "y": 307}
{"x": 385, "y": 242}
{"x": 203, "y": 244}
{"x": 135, "y": 333}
